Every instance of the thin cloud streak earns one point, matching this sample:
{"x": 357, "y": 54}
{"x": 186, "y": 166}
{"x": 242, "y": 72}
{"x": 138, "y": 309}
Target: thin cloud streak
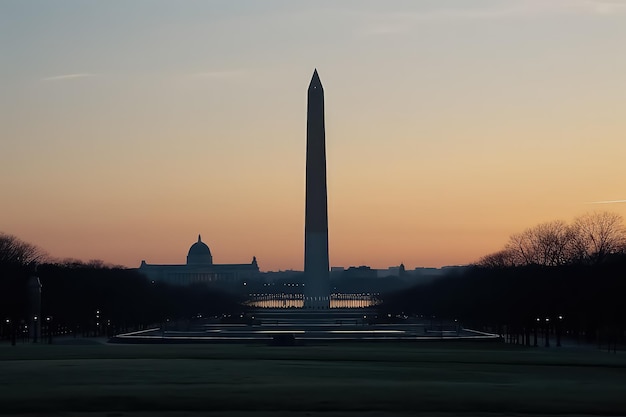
{"x": 393, "y": 23}
{"x": 607, "y": 202}
{"x": 68, "y": 77}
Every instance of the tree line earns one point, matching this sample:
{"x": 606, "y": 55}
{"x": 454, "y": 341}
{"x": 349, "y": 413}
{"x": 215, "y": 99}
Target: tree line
{"x": 92, "y": 298}
{"x": 589, "y": 239}
{"x": 554, "y": 277}
{"x": 563, "y": 279}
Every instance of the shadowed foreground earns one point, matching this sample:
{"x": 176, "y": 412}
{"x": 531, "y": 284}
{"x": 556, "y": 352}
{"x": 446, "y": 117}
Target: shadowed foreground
{"x": 331, "y": 380}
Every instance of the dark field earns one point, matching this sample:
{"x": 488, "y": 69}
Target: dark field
{"x": 342, "y": 380}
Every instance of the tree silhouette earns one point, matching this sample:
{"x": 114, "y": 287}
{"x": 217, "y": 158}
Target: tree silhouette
{"x": 16, "y": 258}
{"x": 547, "y": 244}
{"x": 598, "y": 235}
{"x": 94, "y": 298}
{"x": 542, "y": 283}
{"x": 13, "y": 251}
{"x": 589, "y": 239}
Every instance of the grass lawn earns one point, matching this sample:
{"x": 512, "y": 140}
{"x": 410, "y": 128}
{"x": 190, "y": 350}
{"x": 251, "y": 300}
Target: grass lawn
{"x": 352, "y": 379}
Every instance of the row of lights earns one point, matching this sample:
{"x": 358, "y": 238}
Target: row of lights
{"x": 548, "y": 319}
{"x": 288, "y": 284}
{"x": 35, "y": 318}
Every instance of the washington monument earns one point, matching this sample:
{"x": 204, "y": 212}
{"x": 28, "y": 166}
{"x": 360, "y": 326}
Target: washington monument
{"x": 316, "y": 264}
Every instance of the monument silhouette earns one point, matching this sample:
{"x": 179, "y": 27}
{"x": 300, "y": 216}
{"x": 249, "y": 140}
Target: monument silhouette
{"x": 316, "y": 264}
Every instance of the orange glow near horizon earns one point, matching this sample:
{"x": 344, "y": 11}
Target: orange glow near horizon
{"x": 447, "y": 130}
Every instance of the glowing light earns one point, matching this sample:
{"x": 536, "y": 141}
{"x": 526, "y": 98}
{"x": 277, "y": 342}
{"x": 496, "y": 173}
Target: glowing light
{"x": 366, "y": 331}
{"x": 280, "y": 331}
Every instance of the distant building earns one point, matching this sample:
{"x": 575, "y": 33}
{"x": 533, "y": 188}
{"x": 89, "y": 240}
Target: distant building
{"x": 362, "y": 272}
{"x": 392, "y": 271}
{"x": 336, "y": 272}
{"x": 280, "y": 276}
{"x": 201, "y": 269}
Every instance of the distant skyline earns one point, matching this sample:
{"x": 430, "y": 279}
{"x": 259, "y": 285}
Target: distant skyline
{"x": 129, "y": 127}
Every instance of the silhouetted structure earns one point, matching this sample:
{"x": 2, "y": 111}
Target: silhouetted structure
{"x": 34, "y": 304}
{"x": 316, "y": 264}
{"x": 201, "y": 269}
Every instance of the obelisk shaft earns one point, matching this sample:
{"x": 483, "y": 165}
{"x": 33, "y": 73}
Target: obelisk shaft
{"x": 316, "y": 264}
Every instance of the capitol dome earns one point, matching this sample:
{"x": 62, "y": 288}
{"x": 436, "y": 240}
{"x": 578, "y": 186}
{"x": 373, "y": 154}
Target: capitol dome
{"x": 199, "y": 254}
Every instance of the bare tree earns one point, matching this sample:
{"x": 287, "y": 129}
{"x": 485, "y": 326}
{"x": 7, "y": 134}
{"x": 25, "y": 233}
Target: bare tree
{"x": 590, "y": 239}
{"x": 598, "y": 235}
{"x": 547, "y": 244}
{"x": 13, "y": 251}
{"x": 500, "y": 259}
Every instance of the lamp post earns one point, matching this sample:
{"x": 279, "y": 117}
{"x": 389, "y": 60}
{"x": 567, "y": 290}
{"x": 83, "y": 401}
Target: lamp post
{"x": 34, "y": 303}
{"x": 11, "y": 329}
{"x": 536, "y": 331}
{"x": 35, "y": 328}
{"x": 49, "y": 326}
{"x": 547, "y": 332}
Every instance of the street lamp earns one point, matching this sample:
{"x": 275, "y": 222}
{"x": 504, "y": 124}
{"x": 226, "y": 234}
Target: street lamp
{"x": 11, "y": 331}
{"x": 559, "y": 323}
{"x": 35, "y": 328}
{"x": 536, "y": 331}
{"x": 49, "y": 326}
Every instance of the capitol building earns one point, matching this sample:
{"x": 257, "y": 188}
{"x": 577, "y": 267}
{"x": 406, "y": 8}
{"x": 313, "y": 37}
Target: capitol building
{"x": 201, "y": 269}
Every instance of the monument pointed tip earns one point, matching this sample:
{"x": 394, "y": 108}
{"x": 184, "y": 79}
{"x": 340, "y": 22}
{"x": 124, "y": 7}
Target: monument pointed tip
{"x": 199, "y": 238}
{"x": 315, "y": 80}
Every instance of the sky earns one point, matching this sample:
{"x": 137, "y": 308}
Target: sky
{"x": 127, "y": 128}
